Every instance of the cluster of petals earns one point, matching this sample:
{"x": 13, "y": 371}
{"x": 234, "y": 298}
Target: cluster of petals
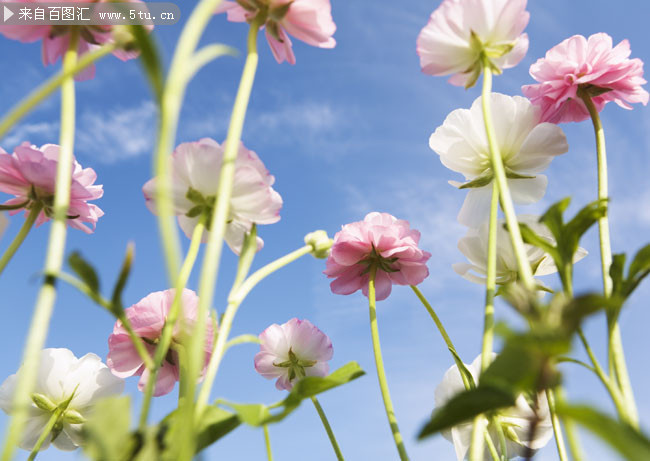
{"x": 592, "y": 65}
{"x": 62, "y": 377}
{"x": 526, "y": 143}
{"x": 460, "y": 32}
{"x": 195, "y": 178}
{"x": 147, "y": 319}
{"x": 475, "y": 243}
{"x": 518, "y": 417}
{"x": 56, "y": 38}
{"x": 381, "y": 241}
{"x": 30, "y": 175}
{"x": 307, "y": 20}
{"x": 291, "y": 351}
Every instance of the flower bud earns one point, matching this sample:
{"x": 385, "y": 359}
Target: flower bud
{"x": 73, "y": 417}
{"x": 320, "y": 243}
{"x": 42, "y": 402}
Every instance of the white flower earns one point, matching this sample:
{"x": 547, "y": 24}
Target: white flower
{"x": 518, "y": 418}
{"x": 460, "y": 31}
{"x": 474, "y": 246}
{"x": 60, "y": 376}
{"x": 527, "y": 148}
{"x": 195, "y": 178}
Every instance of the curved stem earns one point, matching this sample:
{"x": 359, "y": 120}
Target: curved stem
{"x": 435, "y": 318}
{"x": 502, "y": 183}
{"x": 46, "y": 432}
{"x": 174, "y": 311}
{"x": 381, "y": 373}
{"x": 557, "y": 428}
{"x": 328, "y": 429}
{"x": 267, "y": 443}
{"x": 616, "y": 354}
{"x": 54, "y": 259}
{"x": 47, "y": 88}
{"x": 234, "y": 301}
{"x": 212, "y": 258}
{"x": 20, "y": 236}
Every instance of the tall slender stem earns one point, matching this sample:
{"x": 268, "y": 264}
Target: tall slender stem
{"x": 174, "y": 311}
{"x": 557, "y": 428}
{"x": 44, "y": 434}
{"x": 54, "y": 259}
{"x": 328, "y": 429}
{"x": 267, "y": 443}
{"x": 616, "y": 354}
{"x": 476, "y": 449}
{"x": 434, "y": 316}
{"x": 212, "y": 258}
{"x": 381, "y": 373}
{"x": 20, "y": 236}
{"x": 502, "y": 183}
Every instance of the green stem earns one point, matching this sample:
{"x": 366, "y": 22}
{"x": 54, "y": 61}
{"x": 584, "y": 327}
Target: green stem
{"x": 46, "y": 432}
{"x": 234, "y": 301}
{"x": 212, "y": 258}
{"x": 476, "y": 449}
{"x": 570, "y": 428}
{"x": 328, "y": 429}
{"x": 616, "y": 354}
{"x": 47, "y": 88}
{"x": 54, "y": 259}
{"x": 267, "y": 442}
{"x": 20, "y": 237}
{"x": 381, "y": 373}
{"x": 502, "y": 183}
{"x": 174, "y": 311}
{"x": 436, "y": 319}
{"x": 557, "y": 428}
{"x": 490, "y": 283}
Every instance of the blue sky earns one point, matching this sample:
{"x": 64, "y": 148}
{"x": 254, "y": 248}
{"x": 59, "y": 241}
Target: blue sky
{"x": 345, "y": 132}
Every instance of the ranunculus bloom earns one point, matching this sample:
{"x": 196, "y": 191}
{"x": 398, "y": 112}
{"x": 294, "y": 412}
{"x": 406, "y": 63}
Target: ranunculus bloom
{"x": 307, "y": 20}
{"x": 606, "y": 73}
{"x": 460, "y": 30}
{"x": 474, "y": 246}
{"x": 195, "y": 177}
{"x": 518, "y": 418}
{"x": 61, "y": 375}
{"x": 30, "y": 174}
{"x": 56, "y": 39}
{"x": 380, "y": 240}
{"x": 292, "y": 351}
{"x": 148, "y": 318}
{"x": 527, "y": 147}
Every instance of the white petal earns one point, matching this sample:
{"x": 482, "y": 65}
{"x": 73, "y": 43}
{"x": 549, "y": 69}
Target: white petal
{"x": 544, "y": 142}
{"x": 476, "y": 207}
{"x": 64, "y": 442}
{"x": 7, "y": 393}
{"x": 529, "y": 190}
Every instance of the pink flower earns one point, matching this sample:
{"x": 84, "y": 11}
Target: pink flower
{"x": 147, "y": 318}
{"x": 460, "y": 31}
{"x": 195, "y": 177}
{"x": 307, "y": 20}
{"x": 380, "y": 240}
{"x": 56, "y": 38}
{"x": 30, "y": 174}
{"x": 292, "y": 351}
{"x": 605, "y": 73}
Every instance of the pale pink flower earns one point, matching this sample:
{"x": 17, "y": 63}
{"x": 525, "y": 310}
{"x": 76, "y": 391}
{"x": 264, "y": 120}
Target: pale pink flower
{"x": 56, "y": 39}
{"x": 30, "y": 175}
{"x": 605, "y": 73}
{"x": 62, "y": 378}
{"x": 382, "y": 241}
{"x": 307, "y": 20}
{"x": 292, "y": 351}
{"x": 459, "y": 31}
{"x": 195, "y": 177}
{"x": 148, "y": 318}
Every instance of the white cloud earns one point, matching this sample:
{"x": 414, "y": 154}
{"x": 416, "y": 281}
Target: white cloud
{"x": 36, "y": 133}
{"x": 117, "y": 134}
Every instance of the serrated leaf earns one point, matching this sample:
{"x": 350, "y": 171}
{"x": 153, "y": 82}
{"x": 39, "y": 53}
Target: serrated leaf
{"x": 84, "y": 270}
{"x": 629, "y": 442}
{"x": 465, "y": 406}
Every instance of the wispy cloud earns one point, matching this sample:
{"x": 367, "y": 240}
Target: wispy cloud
{"x": 35, "y": 133}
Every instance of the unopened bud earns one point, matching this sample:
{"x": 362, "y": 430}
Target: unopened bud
{"x": 320, "y": 243}
{"x": 73, "y": 417}
{"x": 43, "y": 402}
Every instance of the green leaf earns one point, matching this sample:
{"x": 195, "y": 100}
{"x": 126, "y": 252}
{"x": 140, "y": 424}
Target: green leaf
{"x": 532, "y": 238}
{"x": 481, "y": 181}
{"x": 553, "y": 217}
{"x": 582, "y": 306}
{"x": 468, "y": 379}
{"x": 106, "y": 434}
{"x": 465, "y": 406}
{"x": 629, "y": 442}
{"x": 616, "y": 272}
{"x": 253, "y": 414}
{"x": 639, "y": 269}
{"x": 116, "y": 298}
{"x": 85, "y": 271}
{"x": 214, "y": 424}
{"x": 150, "y": 59}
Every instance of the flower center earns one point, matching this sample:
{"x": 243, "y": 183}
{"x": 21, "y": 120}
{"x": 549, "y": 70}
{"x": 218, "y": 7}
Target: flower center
{"x": 375, "y": 259}
{"x": 295, "y": 365}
